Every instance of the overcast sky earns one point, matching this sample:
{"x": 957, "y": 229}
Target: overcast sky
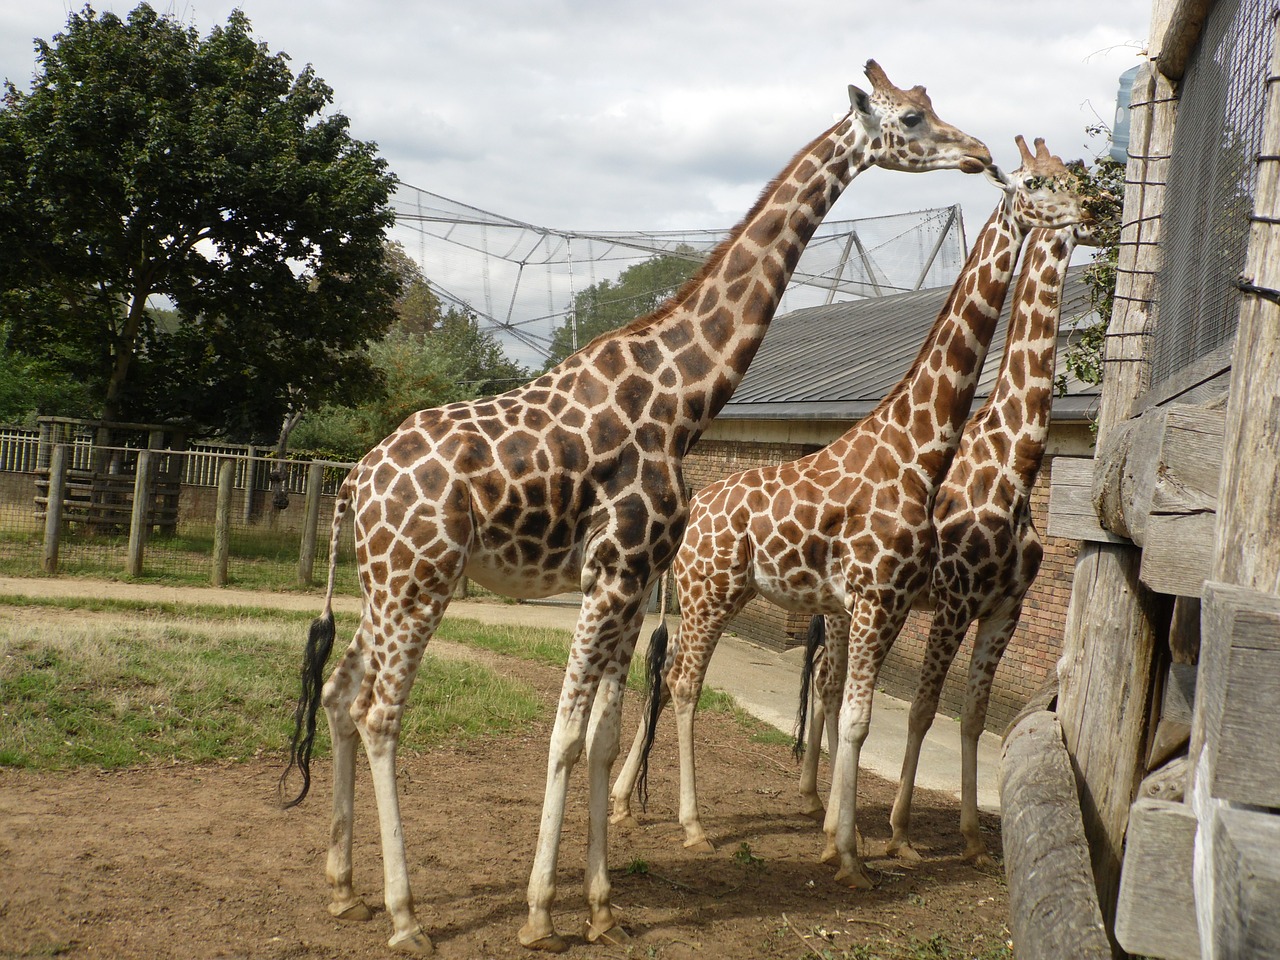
{"x": 662, "y": 115}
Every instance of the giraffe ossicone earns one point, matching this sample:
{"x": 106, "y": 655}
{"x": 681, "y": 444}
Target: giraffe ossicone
{"x": 847, "y": 531}
{"x": 572, "y": 481}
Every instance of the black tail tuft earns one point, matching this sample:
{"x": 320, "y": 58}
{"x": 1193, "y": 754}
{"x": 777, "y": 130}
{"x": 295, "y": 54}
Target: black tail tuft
{"x": 319, "y": 646}
{"x": 655, "y": 681}
{"x": 816, "y": 638}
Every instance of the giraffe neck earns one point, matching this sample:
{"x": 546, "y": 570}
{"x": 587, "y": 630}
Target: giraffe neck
{"x": 929, "y": 406}
{"x": 1020, "y": 404}
{"x": 707, "y": 334}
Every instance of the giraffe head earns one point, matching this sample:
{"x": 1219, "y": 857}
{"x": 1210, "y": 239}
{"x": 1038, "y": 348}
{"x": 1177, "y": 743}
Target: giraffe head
{"x": 1043, "y": 191}
{"x": 905, "y": 134}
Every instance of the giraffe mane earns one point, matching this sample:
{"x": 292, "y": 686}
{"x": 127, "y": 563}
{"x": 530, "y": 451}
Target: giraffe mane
{"x": 716, "y": 257}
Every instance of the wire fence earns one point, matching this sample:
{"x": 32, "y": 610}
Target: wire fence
{"x": 267, "y": 528}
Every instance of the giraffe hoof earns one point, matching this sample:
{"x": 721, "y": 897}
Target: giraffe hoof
{"x": 413, "y": 941}
{"x": 816, "y": 813}
{"x": 980, "y": 859}
{"x": 355, "y": 911}
{"x": 855, "y": 879}
{"x": 614, "y": 936}
{"x": 700, "y": 845}
{"x": 624, "y": 820}
{"x": 829, "y": 854}
{"x": 551, "y": 943}
{"x": 903, "y": 850}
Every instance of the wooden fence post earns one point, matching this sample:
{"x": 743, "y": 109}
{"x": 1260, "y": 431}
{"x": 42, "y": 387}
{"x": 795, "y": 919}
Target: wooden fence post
{"x": 53, "y": 506}
{"x": 222, "y": 521}
{"x": 140, "y": 519}
{"x": 310, "y": 523}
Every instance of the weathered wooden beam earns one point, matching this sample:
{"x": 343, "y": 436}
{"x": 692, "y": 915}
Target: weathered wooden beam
{"x": 1156, "y": 912}
{"x": 1053, "y": 905}
{"x": 1178, "y": 553}
{"x": 1071, "y": 513}
{"x": 1237, "y": 716}
{"x": 1246, "y": 874}
{"x": 1175, "y": 34}
{"x": 1166, "y": 462}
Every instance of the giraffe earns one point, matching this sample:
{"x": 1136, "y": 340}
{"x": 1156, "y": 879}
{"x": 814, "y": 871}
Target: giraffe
{"x": 847, "y": 530}
{"x": 571, "y": 482}
{"x": 988, "y": 551}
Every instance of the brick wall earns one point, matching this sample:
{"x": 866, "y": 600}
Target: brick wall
{"x": 1033, "y": 651}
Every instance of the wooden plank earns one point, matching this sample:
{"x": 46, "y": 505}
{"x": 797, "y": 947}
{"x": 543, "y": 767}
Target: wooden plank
{"x": 1053, "y": 905}
{"x": 1156, "y": 912}
{"x": 1189, "y": 469}
{"x": 1237, "y": 721}
{"x": 1246, "y": 888}
{"x": 1071, "y": 513}
{"x": 1178, "y": 553}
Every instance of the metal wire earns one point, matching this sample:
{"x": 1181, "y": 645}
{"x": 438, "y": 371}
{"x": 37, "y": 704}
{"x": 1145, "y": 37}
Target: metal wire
{"x": 1212, "y": 176}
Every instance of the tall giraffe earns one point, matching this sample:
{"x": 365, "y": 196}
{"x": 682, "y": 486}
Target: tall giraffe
{"x": 988, "y": 548}
{"x": 572, "y": 481}
{"x": 847, "y": 530}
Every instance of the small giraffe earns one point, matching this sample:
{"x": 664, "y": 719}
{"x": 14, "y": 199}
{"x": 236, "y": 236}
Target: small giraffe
{"x": 847, "y": 530}
{"x": 988, "y": 548}
{"x": 572, "y": 481}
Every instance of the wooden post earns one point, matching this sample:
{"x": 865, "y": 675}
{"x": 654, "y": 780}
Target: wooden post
{"x": 250, "y": 480}
{"x": 310, "y": 523}
{"x": 1112, "y": 623}
{"x": 1236, "y": 881}
{"x": 53, "y": 506}
{"x": 222, "y": 521}
{"x": 1053, "y": 906}
{"x": 140, "y": 519}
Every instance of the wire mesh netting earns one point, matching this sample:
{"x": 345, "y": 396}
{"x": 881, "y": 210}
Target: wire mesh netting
{"x": 265, "y": 525}
{"x": 1212, "y": 176}
{"x": 520, "y": 279}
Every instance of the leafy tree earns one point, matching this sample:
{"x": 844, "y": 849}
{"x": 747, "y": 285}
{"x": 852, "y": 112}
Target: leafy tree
{"x": 31, "y": 385}
{"x": 1104, "y": 192}
{"x": 606, "y": 305}
{"x": 148, "y": 167}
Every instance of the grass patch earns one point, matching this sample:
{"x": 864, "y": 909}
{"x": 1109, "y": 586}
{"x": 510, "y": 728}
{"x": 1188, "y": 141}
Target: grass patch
{"x": 203, "y": 682}
{"x": 200, "y": 685}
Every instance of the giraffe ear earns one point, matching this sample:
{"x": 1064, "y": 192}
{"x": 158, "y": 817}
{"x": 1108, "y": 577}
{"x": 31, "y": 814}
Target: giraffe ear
{"x": 859, "y": 100}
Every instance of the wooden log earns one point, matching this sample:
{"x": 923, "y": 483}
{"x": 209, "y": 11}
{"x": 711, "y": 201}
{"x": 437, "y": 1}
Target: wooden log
{"x": 310, "y": 524}
{"x": 1176, "y": 31}
{"x": 140, "y": 515}
{"x": 1178, "y": 553}
{"x": 1053, "y": 906}
{"x": 222, "y": 522}
{"x": 1237, "y": 722}
{"x": 53, "y": 513}
{"x": 1246, "y": 873}
{"x": 1167, "y": 783}
{"x": 1156, "y": 912}
{"x": 1071, "y": 512}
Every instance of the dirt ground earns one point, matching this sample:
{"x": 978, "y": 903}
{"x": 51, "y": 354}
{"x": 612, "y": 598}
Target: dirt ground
{"x": 197, "y": 862}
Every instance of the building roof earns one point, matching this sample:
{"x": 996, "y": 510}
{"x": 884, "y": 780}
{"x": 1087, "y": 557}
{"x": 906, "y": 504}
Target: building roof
{"x": 836, "y": 362}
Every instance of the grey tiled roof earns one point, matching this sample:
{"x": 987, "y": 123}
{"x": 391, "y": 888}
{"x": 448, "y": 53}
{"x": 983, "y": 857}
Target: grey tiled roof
{"x": 837, "y": 361}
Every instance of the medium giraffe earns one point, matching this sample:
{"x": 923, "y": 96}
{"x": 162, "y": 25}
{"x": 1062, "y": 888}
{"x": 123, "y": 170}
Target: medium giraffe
{"x": 847, "y": 530}
{"x": 988, "y": 548}
{"x": 571, "y": 482}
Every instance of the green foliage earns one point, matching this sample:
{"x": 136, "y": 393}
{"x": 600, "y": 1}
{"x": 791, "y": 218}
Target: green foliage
{"x": 431, "y": 357}
{"x": 605, "y": 306}
{"x": 1104, "y": 192}
{"x": 31, "y": 385}
{"x": 149, "y": 168}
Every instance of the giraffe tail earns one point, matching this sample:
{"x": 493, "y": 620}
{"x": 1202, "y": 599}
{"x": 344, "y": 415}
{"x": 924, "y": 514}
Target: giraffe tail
{"x": 816, "y": 638}
{"x": 657, "y": 662}
{"x": 314, "y": 658}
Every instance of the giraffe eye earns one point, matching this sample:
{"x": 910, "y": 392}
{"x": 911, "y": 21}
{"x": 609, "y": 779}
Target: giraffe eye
{"x": 910, "y": 120}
